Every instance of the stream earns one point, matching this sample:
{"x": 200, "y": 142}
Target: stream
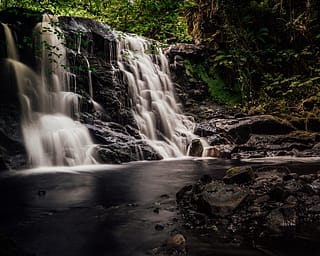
{"x": 126, "y": 209}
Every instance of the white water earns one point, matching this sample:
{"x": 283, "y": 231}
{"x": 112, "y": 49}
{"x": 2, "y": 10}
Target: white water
{"x": 158, "y": 115}
{"x": 51, "y": 135}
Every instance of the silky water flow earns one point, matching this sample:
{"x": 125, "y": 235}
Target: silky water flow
{"x": 51, "y": 132}
{"x": 159, "y": 117}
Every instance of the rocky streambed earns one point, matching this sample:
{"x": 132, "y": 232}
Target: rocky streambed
{"x": 254, "y": 205}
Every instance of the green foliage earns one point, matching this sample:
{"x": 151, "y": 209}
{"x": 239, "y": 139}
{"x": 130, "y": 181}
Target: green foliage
{"x": 269, "y": 49}
{"x": 264, "y": 51}
{"x": 157, "y": 19}
{"x": 218, "y": 89}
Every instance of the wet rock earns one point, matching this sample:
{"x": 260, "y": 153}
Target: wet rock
{"x": 41, "y": 193}
{"x": 205, "y": 129}
{"x": 278, "y": 220}
{"x": 121, "y": 152}
{"x": 256, "y": 137}
{"x": 206, "y": 179}
{"x": 159, "y": 227}
{"x": 266, "y": 180}
{"x": 192, "y": 92}
{"x": 183, "y": 191}
{"x": 290, "y": 176}
{"x": 262, "y": 199}
{"x": 315, "y": 185}
{"x": 239, "y": 175}
{"x": 12, "y": 150}
{"x": 315, "y": 209}
{"x": 220, "y": 199}
{"x": 164, "y": 196}
{"x": 196, "y": 148}
{"x": 175, "y": 245}
{"x": 275, "y": 220}
{"x": 278, "y": 193}
{"x": 219, "y": 151}
{"x": 241, "y": 128}
{"x": 268, "y": 205}
{"x": 177, "y": 240}
{"x": 183, "y": 50}
{"x": 306, "y": 178}
{"x": 316, "y": 147}
{"x": 292, "y": 186}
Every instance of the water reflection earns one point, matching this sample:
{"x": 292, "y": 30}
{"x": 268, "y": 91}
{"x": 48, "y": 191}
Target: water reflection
{"x": 109, "y": 210}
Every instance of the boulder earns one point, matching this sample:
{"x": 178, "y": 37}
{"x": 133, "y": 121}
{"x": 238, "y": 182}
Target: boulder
{"x": 196, "y": 148}
{"x": 219, "y": 151}
{"x": 240, "y": 129}
{"x": 220, "y": 199}
{"x": 239, "y": 175}
{"x": 175, "y": 245}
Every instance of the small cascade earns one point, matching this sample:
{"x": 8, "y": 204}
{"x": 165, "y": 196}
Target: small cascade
{"x": 159, "y": 117}
{"x": 49, "y": 110}
{"x": 89, "y": 77}
{"x": 96, "y": 105}
{"x": 11, "y": 48}
{"x": 78, "y": 41}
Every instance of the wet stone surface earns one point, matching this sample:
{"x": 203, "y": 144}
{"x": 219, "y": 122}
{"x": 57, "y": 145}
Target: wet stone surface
{"x": 274, "y": 203}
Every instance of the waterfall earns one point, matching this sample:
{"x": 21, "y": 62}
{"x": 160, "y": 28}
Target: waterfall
{"x": 145, "y": 70}
{"x": 51, "y": 132}
{"x": 11, "y": 49}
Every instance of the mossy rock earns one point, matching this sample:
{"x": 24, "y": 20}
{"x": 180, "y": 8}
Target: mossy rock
{"x": 239, "y": 175}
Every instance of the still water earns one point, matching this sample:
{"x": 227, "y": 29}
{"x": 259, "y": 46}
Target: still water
{"x": 110, "y": 209}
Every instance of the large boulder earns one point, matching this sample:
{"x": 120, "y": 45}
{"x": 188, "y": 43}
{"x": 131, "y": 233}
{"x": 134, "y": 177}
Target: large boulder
{"x": 219, "y": 199}
{"x": 240, "y": 129}
{"x": 239, "y": 175}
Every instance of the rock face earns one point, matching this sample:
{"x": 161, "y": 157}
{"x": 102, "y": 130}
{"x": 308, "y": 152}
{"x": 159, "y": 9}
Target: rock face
{"x": 272, "y": 202}
{"x": 256, "y": 136}
{"x": 113, "y": 126}
{"x": 193, "y": 94}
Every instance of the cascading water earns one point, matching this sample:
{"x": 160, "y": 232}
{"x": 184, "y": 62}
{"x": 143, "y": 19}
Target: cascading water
{"x": 158, "y": 115}
{"x": 50, "y": 134}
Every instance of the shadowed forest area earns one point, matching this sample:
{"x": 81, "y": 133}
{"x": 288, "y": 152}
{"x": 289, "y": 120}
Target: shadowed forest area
{"x": 262, "y": 56}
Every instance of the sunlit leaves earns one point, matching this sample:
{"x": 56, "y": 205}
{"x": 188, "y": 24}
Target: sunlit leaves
{"x": 158, "y": 19}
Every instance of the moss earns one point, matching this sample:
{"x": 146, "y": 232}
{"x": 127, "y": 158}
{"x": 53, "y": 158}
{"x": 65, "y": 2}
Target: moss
{"x": 220, "y": 93}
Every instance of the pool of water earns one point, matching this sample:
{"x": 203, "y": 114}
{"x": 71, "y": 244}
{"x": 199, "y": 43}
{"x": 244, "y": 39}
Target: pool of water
{"x": 110, "y": 209}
